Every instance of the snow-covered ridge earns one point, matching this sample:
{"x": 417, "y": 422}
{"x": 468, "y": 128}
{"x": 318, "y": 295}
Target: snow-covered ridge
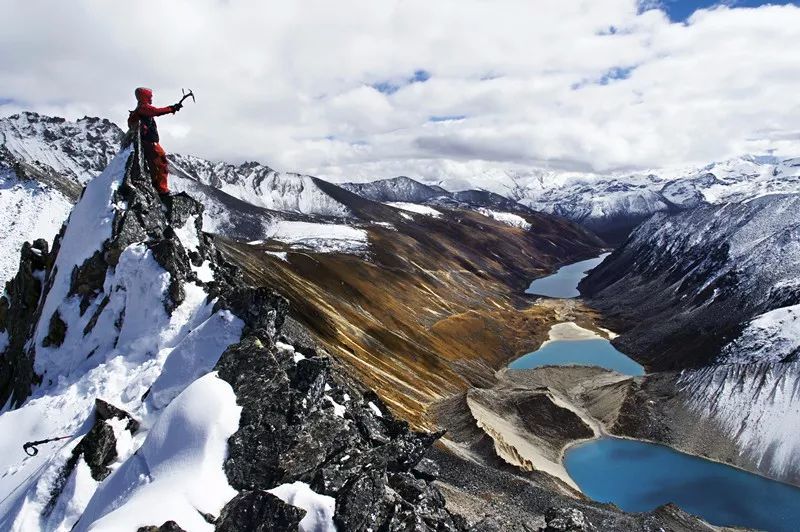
{"x": 79, "y": 150}
{"x": 611, "y": 205}
{"x": 753, "y": 391}
{"x": 261, "y": 186}
{"x": 119, "y": 342}
{"x": 398, "y": 189}
{"x": 173, "y": 394}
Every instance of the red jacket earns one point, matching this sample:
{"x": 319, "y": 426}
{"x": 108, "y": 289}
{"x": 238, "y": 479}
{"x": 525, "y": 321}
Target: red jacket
{"x": 144, "y": 114}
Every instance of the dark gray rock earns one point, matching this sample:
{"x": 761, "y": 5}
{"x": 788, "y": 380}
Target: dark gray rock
{"x": 566, "y": 520}
{"x": 98, "y": 448}
{"x": 258, "y": 511}
{"x": 56, "y": 331}
{"x": 169, "y": 526}
{"x": 358, "y": 506}
{"x": 18, "y": 313}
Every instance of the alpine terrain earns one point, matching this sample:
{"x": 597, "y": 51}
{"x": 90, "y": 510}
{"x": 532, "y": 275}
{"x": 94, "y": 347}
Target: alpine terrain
{"x": 272, "y": 351}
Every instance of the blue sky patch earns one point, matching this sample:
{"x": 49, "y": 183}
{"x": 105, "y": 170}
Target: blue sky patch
{"x": 611, "y": 75}
{"x": 681, "y": 10}
{"x": 616, "y": 73}
{"x": 390, "y": 87}
{"x": 5, "y": 101}
{"x": 446, "y": 118}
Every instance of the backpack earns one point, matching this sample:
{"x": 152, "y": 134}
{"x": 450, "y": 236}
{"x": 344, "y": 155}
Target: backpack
{"x": 147, "y": 124}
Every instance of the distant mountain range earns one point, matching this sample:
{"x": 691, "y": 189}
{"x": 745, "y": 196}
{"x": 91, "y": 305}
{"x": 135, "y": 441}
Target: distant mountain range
{"x": 64, "y": 155}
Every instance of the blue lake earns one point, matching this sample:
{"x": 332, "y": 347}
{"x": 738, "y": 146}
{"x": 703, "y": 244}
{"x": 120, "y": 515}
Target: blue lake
{"x": 564, "y": 283}
{"x": 594, "y": 352}
{"x": 639, "y": 476}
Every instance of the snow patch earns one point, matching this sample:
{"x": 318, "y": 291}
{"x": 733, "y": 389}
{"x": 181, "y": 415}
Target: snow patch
{"x": 415, "y": 208}
{"x": 195, "y": 355}
{"x": 204, "y": 272}
{"x": 338, "y": 409}
{"x": 297, "y": 357}
{"x": 508, "y": 218}
{"x": 282, "y": 255}
{"x": 178, "y": 471}
{"x": 188, "y": 234}
{"x": 375, "y": 410}
{"x": 319, "y": 508}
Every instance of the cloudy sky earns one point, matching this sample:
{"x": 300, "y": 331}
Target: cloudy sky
{"x": 375, "y": 88}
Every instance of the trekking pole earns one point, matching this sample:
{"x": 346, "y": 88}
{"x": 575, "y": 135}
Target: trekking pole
{"x": 30, "y": 447}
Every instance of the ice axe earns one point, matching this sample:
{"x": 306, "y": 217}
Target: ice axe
{"x": 189, "y": 94}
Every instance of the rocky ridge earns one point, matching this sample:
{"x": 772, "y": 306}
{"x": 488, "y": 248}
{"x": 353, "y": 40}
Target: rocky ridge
{"x": 301, "y": 419}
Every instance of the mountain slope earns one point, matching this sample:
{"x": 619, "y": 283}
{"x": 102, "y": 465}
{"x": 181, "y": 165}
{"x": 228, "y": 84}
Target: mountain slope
{"x": 431, "y": 290}
{"x": 714, "y": 292}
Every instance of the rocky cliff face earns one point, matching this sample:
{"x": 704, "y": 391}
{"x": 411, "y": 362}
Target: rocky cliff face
{"x": 714, "y": 292}
{"x": 216, "y": 413}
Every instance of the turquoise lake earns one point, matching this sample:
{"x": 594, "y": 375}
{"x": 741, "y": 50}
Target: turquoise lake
{"x": 564, "y": 283}
{"x": 594, "y": 352}
{"x": 639, "y": 476}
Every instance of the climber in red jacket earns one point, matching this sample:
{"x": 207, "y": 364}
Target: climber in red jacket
{"x": 144, "y": 117}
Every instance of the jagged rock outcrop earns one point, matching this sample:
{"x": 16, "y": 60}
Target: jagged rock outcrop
{"x": 59, "y": 153}
{"x": 258, "y": 511}
{"x": 17, "y": 315}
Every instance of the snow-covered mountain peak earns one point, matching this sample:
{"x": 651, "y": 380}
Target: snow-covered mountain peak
{"x": 396, "y": 189}
{"x": 261, "y": 186}
{"x": 78, "y": 150}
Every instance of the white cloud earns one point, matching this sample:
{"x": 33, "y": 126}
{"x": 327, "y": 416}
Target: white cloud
{"x": 292, "y": 83}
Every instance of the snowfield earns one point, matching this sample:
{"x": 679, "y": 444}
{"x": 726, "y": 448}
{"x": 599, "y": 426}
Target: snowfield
{"x": 319, "y": 237}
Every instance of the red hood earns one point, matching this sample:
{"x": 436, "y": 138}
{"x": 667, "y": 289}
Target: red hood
{"x": 144, "y": 95}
